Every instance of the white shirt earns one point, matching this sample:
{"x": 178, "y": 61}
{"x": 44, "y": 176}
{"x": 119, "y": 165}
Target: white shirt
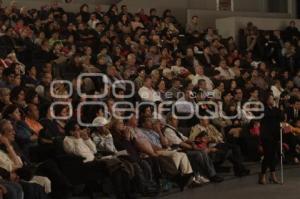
{"x": 196, "y": 78}
{"x": 149, "y": 94}
{"x": 184, "y": 106}
{"x": 177, "y": 70}
{"x": 104, "y": 142}
{"x": 227, "y": 74}
{"x": 93, "y": 23}
{"x": 212, "y": 133}
{"x": 172, "y": 137}
{"x": 276, "y": 92}
{"x": 217, "y": 94}
{"x": 80, "y": 147}
{"x": 7, "y": 164}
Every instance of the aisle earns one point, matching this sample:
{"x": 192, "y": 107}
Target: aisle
{"x": 246, "y": 188}
{"x": 240, "y": 188}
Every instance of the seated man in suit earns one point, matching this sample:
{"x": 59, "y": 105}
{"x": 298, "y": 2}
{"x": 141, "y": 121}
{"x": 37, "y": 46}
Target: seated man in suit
{"x": 293, "y": 113}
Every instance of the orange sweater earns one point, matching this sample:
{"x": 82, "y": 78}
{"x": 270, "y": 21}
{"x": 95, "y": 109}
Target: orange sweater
{"x": 33, "y": 125}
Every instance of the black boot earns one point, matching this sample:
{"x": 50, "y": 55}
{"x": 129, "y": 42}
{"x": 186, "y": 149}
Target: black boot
{"x": 184, "y": 181}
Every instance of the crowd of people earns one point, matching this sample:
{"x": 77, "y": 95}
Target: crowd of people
{"x": 132, "y": 104}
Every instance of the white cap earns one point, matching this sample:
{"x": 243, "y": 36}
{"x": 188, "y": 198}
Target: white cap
{"x": 100, "y": 121}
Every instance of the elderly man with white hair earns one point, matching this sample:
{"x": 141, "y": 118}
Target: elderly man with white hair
{"x": 147, "y": 93}
{"x": 199, "y": 74}
{"x": 200, "y": 161}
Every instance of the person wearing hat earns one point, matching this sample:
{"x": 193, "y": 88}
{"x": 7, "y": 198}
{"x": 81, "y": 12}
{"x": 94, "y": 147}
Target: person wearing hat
{"x": 102, "y": 137}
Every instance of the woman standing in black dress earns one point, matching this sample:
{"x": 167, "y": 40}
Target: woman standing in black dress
{"x": 270, "y": 137}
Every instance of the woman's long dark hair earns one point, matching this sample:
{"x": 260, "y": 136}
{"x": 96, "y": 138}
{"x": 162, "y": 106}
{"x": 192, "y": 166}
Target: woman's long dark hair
{"x": 9, "y": 110}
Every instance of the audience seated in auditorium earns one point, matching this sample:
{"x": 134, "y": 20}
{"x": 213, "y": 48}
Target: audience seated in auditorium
{"x": 187, "y": 72}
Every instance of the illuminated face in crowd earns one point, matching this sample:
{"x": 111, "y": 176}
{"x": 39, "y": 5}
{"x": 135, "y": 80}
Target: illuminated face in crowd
{"x": 8, "y": 131}
{"x": 148, "y": 83}
{"x": 223, "y": 64}
{"x": 195, "y": 19}
{"x": 76, "y": 131}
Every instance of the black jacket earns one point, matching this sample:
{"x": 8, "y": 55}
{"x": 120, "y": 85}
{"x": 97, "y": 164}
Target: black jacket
{"x": 270, "y": 123}
{"x": 292, "y": 115}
